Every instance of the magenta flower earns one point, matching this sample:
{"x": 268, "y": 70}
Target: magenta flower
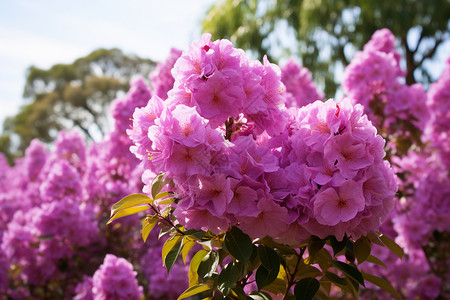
{"x": 188, "y": 128}
{"x": 347, "y": 154}
{"x": 213, "y": 193}
{"x": 116, "y": 279}
{"x": 332, "y": 206}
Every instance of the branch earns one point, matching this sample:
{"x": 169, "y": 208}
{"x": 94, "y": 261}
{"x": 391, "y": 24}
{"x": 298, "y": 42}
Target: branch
{"x": 419, "y": 41}
{"x": 78, "y": 123}
{"x": 431, "y": 52}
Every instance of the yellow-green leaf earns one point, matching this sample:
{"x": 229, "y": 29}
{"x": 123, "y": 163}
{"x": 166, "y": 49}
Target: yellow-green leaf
{"x": 158, "y": 183}
{"x": 162, "y": 195}
{"x": 167, "y": 201}
{"x": 188, "y": 243}
{"x": 148, "y": 225}
{"x": 130, "y": 201}
{"x": 127, "y": 212}
{"x": 384, "y": 284}
{"x": 194, "y": 290}
{"x": 396, "y": 249}
{"x": 193, "y": 267}
{"x": 168, "y": 245}
{"x": 375, "y": 260}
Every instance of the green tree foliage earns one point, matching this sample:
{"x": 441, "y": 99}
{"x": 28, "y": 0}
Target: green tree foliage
{"x": 327, "y": 33}
{"x": 68, "y": 96}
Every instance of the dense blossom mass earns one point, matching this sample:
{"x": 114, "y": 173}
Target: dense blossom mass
{"x": 248, "y": 144}
{"x": 224, "y": 135}
{"x": 375, "y": 80}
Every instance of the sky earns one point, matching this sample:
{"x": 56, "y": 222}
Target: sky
{"x": 47, "y": 32}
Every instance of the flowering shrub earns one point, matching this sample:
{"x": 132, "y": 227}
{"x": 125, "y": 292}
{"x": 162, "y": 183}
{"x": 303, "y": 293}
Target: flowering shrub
{"x": 221, "y": 142}
{"x": 261, "y": 190}
{"x": 54, "y": 207}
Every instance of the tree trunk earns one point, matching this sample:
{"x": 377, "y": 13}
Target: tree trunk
{"x": 410, "y": 64}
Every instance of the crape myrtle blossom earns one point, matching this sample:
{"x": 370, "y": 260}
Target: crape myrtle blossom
{"x": 115, "y": 279}
{"x": 346, "y": 186}
{"x": 225, "y": 138}
{"x": 55, "y": 202}
{"x": 161, "y": 78}
{"x": 375, "y": 80}
{"x": 300, "y": 89}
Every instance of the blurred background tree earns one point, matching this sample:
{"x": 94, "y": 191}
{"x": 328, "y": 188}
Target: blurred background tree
{"x": 68, "y": 96}
{"x": 325, "y": 34}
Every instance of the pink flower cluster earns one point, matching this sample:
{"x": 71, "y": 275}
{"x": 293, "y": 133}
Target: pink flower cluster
{"x": 337, "y": 179}
{"x": 373, "y": 79}
{"x": 161, "y": 78}
{"x": 40, "y": 239}
{"x": 114, "y": 279}
{"x": 225, "y": 138}
{"x": 54, "y": 204}
{"x": 300, "y": 89}
{"x": 426, "y": 206}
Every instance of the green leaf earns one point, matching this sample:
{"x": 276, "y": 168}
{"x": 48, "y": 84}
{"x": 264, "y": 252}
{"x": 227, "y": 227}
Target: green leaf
{"x": 227, "y": 278}
{"x": 194, "y": 290}
{"x": 385, "y": 285}
{"x": 208, "y": 265}
{"x": 238, "y": 244}
{"x": 306, "y": 288}
{"x": 305, "y": 271}
{"x": 323, "y": 258}
{"x": 198, "y": 234}
{"x": 353, "y": 286}
{"x": 130, "y": 201}
{"x": 269, "y": 258}
{"x": 338, "y": 246}
{"x": 278, "y": 286}
{"x": 168, "y": 245}
{"x": 361, "y": 249}
{"x": 264, "y": 276}
{"x": 172, "y": 256}
{"x": 343, "y": 283}
{"x": 335, "y": 279}
{"x": 375, "y": 260}
{"x": 238, "y": 293}
{"x": 396, "y": 249}
{"x": 193, "y": 267}
{"x": 372, "y": 236}
{"x": 127, "y": 212}
{"x": 158, "y": 183}
{"x": 350, "y": 271}
{"x": 148, "y": 225}
{"x": 315, "y": 245}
